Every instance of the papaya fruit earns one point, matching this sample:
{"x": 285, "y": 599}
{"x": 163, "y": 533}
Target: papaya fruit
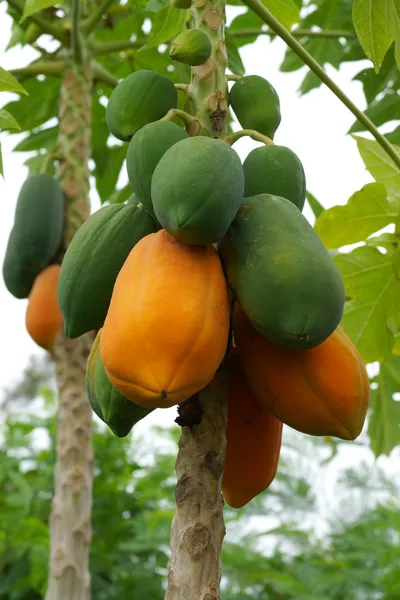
{"x": 144, "y": 153}
{"x": 256, "y": 104}
{"x": 181, "y": 3}
{"x": 36, "y": 235}
{"x": 167, "y": 326}
{"x": 44, "y": 320}
{"x": 323, "y": 391}
{"x": 253, "y": 443}
{"x": 119, "y": 413}
{"x": 281, "y": 273}
{"x": 191, "y": 47}
{"x": 90, "y": 378}
{"x": 275, "y": 170}
{"x": 93, "y": 261}
{"x": 197, "y": 188}
{"x": 140, "y": 98}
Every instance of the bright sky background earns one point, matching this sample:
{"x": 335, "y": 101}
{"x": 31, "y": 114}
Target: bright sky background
{"x": 313, "y": 126}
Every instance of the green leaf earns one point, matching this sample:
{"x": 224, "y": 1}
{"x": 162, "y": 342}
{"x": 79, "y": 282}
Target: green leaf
{"x": 167, "y": 23}
{"x": 1, "y": 163}
{"x": 315, "y": 205}
{"x": 45, "y": 138}
{"x": 33, "y": 6}
{"x": 7, "y": 121}
{"x": 386, "y": 109}
{"x": 8, "y": 83}
{"x": 286, "y": 11}
{"x": 120, "y": 196}
{"x": 247, "y": 20}
{"x": 106, "y": 179}
{"x": 375, "y": 301}
{"x": 384, "y": 424}
{"x": 377, "y": 24}
{"x": 41, "y": 105}
{"x": 379, "y": 164}
{"x": 394, "y": 22}
{"x": 234, "y": 60}
{"x": 367, "y": 211}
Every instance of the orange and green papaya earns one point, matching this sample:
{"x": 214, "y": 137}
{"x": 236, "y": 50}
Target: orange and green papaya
{"x": 253, "y": 443}
{"x": 44, "y": 320}
{"x": 167, "y": 326}
{"x": 323, "y": 391}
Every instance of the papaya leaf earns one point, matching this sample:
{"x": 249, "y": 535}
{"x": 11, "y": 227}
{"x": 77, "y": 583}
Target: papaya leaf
{"x": 7, "y": 121}
{"x": 45, "y": 138}
{"x": 315, "y": 205}
{"x": 120, "y": 196}
{"x": 384, "y": 424}
{"x": 286, "y": 11}
{"x": 371, "y": 22}
{"x": 386, "y": 109}
{"x": 1, "y": 163}
{"x": 247, "y": 20}
{"x": 379, "y": 164}
{"x": 8, "y": 83}
{"x": 33, "y": 6}
{"x": 394, "y": 21}
{"x": 39, "y": 107}
{"x": 167, "y": 23}
{"x": 366, "y": 211}
{"x": 106, "y": 179}
{"x": 374, "y": 303}
{"x": 234, "y": 60}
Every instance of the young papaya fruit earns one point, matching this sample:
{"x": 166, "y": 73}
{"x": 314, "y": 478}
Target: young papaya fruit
{"x": 322, "y": 391}
{"x": 119, "y": 413}
{"x": 140, "y": 98}
{"x": 36, "y": 235}
{"x": 90, "y": 377}
{"x": 281, "y": 273}
{"x": 253, "y": 443}
{"x": 92, "y": 263}
{"x": 167, "y": 326}
{"x": 191, "y": 47}
{"x": 44, "y": 320}
{"x": 256, "y": 104}
{"x": 144, "y": 153}
{"x": 275, "y": 170}
{"x": 197, "y": 188}
{"x": 181, "y": 3}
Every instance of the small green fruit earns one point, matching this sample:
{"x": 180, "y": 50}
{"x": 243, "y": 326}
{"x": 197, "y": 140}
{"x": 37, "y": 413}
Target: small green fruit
{"x": 181, "y": 3}
{"x": 192, "y": 47}
{"x": 256, "y": 104}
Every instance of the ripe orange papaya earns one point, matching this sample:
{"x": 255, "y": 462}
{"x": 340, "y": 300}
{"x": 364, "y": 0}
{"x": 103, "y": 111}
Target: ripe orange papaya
{"x": 321, "y": 391}
{"x": 253, "y": 443}
{"x": 167, "y": 325}
{"x": 44, "y": 319}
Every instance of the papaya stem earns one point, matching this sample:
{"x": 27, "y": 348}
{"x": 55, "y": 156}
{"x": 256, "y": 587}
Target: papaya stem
{"x": 324, "y": 33}
{"x": 101, "y": 74}
{"x": 259, "y": 9}
{"x": 76, "y": 39}
{"x": 56, "y": 31}
{"x": 181, "y": 114}
{"x": 40, "y": 68}
{"x": 183, "y": 87}
{"x": 251, "y": 133}
{"x": 91, "y": 21}
{"x": 113, "y": 46}
{"x": 234, "y": 77}
{"x": 50, "y": 157}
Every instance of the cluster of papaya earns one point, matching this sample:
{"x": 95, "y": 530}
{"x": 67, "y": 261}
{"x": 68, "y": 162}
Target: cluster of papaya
{"x": 30, "y": 268}
{"x": 156, "y": 277}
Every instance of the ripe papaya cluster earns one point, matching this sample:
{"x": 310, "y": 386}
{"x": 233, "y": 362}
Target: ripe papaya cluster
{"x": 158, "y": 274}
{"x": 30, "y": 268}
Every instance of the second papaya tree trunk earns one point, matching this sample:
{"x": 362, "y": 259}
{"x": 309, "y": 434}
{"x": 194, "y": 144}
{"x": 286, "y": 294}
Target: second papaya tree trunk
{"x": 70, "y": 520}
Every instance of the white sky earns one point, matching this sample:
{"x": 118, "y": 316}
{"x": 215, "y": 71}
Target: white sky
{"x": 313, "y": 126}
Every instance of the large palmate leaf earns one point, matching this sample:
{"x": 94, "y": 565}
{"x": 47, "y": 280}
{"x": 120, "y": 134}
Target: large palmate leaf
{"x": 373, "y": 309}
{"x": 384, "y": 425}
{"x": 366, "y": 212}
{"x": 286, "y": 11}
{"x": 33, "y": 6}
{"x": 7, "y": 120}
{"x": 8, "y": 83}
{"x": 44, "y": 138}
{"x": 379, "y": 164}
{"x": 166, "y": 25}
{"x": 41, "y": 105}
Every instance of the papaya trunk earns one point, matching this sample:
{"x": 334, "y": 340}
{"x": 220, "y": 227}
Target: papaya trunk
{"x": 198, "y": 528}
{"x": 70, "y": 520}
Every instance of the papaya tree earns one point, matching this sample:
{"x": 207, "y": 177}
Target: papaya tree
{"x": 205, "y": 285}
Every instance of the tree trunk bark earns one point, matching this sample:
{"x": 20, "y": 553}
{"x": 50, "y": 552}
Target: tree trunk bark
{"x": 70, "y": 519}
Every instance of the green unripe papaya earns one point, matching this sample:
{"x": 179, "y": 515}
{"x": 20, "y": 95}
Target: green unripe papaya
{"x": 191, "y": 47}
{"x": 116, "y": 411}
{"x": 197, "y": 188}
{"x": 93, "y": 261}
{"x": 145, "y": 151}
{"x": 140, "y": 98}
{"x": 281, "y": 273}
{"x": 181, "y": 3}
{"x": 256, "y": 104}
{"x": 36, "y": 235}
{"x": 275, "y": 170}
